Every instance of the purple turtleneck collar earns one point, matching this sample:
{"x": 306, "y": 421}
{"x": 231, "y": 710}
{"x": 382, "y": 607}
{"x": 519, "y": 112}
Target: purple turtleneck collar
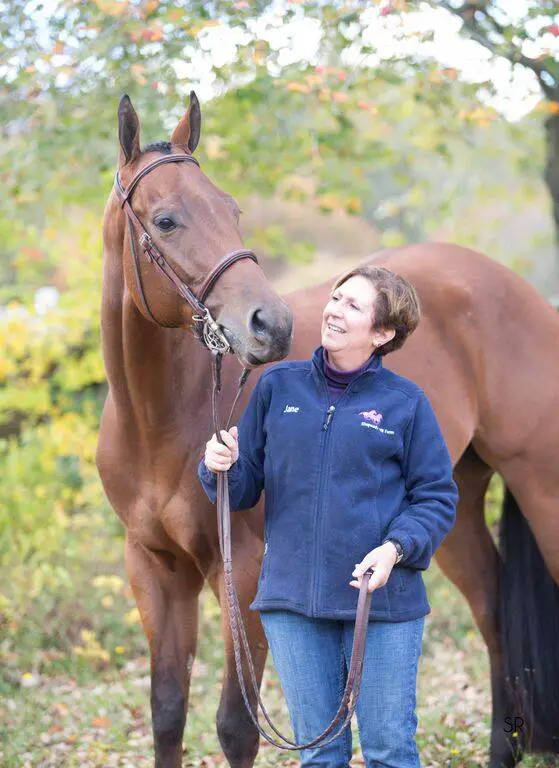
{"x": 337, "y": 381}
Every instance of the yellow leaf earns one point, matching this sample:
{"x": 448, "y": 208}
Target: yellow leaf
{"x": 132, "y": 617}
{"x": 297, "y": 87}
{"x": 113, "y": 7}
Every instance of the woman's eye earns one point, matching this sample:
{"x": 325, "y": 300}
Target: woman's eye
{"x": 165, "y": 224}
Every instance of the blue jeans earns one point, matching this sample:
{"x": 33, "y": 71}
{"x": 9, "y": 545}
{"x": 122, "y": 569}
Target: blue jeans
{"x": 311, "y": 657}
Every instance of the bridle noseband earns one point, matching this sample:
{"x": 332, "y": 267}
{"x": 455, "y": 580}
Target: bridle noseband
{"x": 212, "y": 335}
{"x": 215, "y": 340}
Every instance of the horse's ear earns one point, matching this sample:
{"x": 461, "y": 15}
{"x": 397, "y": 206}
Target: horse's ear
{"x": 187, "y": 132}
{"x": 128, "y": 131}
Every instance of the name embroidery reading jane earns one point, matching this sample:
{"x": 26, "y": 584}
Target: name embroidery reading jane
{"x": 291, "y": 409}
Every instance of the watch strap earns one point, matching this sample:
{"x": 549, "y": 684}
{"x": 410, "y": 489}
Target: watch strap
{"x": 399, "y": 549}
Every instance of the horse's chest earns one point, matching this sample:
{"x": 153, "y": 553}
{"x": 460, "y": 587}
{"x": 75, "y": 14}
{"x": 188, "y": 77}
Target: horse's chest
{"x": 144, "y": 524}
{"x": 164, "y": 515}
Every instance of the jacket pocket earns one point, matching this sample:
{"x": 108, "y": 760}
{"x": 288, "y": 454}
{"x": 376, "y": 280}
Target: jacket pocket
{"x": 375, "y": 525}
{"x": 401, "y": 578}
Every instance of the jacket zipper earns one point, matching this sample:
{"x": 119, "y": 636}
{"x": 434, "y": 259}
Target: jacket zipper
{"x": 329, "y": 414}
{"x": 325, "y": 437}
{"x": 325, "y": 442}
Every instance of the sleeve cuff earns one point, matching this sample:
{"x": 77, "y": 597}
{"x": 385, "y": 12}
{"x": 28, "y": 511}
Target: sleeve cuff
{"x": 405, "y": 542}
{"x": 206, "y": 473}
{"x": 209, "y": 477}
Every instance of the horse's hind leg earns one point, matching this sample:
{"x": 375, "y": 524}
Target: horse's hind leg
{"x": 237, "y": 735}
{"x": 469, "y": 558}
{"x": 166, "y": 591}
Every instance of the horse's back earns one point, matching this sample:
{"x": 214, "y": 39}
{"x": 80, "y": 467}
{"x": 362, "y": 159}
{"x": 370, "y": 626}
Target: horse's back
{"x": 484, "y": 336}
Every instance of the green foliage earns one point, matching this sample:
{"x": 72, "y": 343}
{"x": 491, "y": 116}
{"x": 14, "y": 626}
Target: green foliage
{"x": 51, "y": 502}
{"x": 54, "y": 528}
{"x": 337, "y": 125}
{"x": 45, "y": 359}
{"x": 526, "y": 35}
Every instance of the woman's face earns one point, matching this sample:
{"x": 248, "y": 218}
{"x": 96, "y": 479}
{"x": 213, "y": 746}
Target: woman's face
{"x": 347, "y": 318}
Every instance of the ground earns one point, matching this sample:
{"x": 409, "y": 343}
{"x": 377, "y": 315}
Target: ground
{"x": 99, "y": 716}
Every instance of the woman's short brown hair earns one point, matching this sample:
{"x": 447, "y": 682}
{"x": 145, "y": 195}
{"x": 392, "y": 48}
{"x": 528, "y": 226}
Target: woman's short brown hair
{"x": 396, "y": 305}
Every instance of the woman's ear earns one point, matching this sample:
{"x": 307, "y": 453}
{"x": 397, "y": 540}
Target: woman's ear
{"x": 383, "y": 336}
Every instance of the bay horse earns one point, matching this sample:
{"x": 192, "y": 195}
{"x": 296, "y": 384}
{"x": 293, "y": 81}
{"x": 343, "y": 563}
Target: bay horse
{"x": 486, "y": 355}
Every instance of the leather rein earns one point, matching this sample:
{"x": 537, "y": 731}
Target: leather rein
{"x": 215, "y": 340}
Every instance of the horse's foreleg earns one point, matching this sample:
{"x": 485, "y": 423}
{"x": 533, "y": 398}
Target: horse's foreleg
{"x": 469, "y": 558}
{"x": 236, "y": 732}
{"x": 166, "y": 591}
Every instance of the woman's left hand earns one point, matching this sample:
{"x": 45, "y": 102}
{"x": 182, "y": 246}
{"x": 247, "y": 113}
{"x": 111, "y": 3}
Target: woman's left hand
{"x": 382, "y": 560}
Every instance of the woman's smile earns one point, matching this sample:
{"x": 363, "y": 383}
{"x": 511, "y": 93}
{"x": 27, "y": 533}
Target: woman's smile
{"x": 331, "y": 328}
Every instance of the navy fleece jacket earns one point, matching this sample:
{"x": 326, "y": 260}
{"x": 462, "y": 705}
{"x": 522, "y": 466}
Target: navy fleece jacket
{"x": 339, "y": 480}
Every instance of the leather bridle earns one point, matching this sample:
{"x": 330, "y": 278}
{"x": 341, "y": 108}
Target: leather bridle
{"x": 213, "y": 336}
{"x": 216, "y": 341}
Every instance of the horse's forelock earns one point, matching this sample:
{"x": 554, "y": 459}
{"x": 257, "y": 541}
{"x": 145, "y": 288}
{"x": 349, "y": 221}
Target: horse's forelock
{"x": 159, "y": 146}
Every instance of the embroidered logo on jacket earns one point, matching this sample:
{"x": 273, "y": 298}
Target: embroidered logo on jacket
{"x": 291, "y": 409}
{"x": 373, "y": 416}
{"x": 373, "y": 420}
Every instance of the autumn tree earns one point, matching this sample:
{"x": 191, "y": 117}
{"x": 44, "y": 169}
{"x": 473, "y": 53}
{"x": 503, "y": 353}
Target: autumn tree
{"x": 526, "y": 36}
{"x": 325, "y": 115}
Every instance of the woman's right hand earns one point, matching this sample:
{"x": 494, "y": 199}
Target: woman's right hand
{"x": 219, "y": 457}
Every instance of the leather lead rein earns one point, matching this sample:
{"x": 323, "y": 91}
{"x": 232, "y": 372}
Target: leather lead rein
{"x": 217, "y": 343}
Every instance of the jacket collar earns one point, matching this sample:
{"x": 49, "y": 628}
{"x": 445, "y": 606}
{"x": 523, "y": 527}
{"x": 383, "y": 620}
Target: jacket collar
{"x": 375, "y": 364}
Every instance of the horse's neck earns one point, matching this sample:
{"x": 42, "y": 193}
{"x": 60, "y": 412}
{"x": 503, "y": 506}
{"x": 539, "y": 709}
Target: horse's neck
{"x": 159, "y": 378}
{"x": 166, "y": 370}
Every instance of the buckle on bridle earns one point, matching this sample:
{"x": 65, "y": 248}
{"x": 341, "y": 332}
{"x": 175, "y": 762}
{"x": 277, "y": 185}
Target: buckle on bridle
{"x": 146, "y": 243}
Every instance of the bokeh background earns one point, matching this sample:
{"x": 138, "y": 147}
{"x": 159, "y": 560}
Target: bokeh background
{"x": 340, "y": 128}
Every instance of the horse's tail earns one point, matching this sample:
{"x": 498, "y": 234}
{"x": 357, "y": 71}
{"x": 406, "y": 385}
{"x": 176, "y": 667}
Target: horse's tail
{"x": 529, "y": 629}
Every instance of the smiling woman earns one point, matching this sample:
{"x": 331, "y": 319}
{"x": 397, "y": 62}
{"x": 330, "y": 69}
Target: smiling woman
{"x": 366, "y": 482}
{"x": 370, "y": 308}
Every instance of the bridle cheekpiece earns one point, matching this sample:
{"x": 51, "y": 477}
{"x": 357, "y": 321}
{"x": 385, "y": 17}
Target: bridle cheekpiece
{"x": 205, "y": 326}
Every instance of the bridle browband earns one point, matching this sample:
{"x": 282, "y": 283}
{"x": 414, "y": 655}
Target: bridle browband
{"x": 215, "y": 340}
{"x": 213, "y": 336}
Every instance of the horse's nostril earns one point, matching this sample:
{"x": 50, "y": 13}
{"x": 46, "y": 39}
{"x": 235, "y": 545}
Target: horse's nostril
{"x": 270, "y": 327}
{"x": 258, "y": 324}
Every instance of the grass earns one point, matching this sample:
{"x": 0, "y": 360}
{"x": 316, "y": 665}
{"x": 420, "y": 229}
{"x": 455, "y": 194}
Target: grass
{"x": 89, "y": 707}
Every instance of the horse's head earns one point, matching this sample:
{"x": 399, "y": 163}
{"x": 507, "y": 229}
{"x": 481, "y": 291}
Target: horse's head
{"x": 194, "y": 225}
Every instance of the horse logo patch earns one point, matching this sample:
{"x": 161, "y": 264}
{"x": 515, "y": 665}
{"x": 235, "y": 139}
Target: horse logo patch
{"x": 375, "y": 417}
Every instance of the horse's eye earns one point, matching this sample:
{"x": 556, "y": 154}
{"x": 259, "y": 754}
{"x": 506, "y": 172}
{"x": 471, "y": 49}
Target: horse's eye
{"x": 165, "y": 224}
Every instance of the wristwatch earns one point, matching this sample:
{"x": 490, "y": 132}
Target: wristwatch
{"x": 399, "y": 549}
